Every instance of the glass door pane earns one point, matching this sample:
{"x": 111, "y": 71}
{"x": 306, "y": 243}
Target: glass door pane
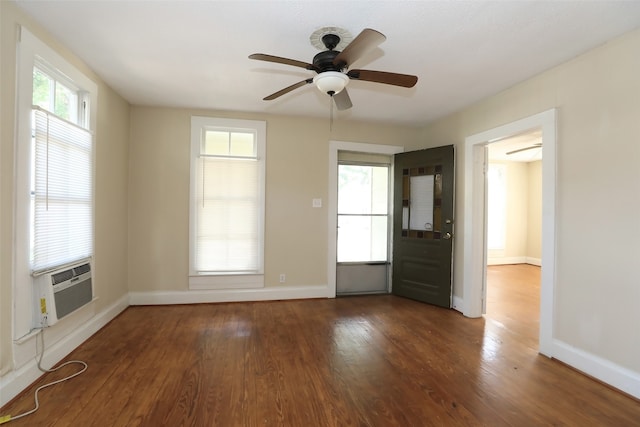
{"x": 362, "y": 213}
{"x": 362, "y": 238}
{"x": 422, "y": 202}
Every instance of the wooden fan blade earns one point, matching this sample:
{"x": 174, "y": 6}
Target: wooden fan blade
{"x": 342, "y": 100}
{"x": 395, "y": 79}
{"x": 287, "y": 89}
{"x": 366, "y": 41}
{"x": 280, "y": 60}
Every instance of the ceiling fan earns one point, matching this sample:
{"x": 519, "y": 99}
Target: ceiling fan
{"x": 331, "y": 67}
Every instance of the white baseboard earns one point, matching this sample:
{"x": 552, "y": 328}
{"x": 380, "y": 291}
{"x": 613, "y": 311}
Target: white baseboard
{"x": 458, "y": 304}
{"x": 506, "y": 260}
{"x": 514, "y": 260}
{"x": 227, "y": 295}
{"x": 15, "y": 381}
{"x": 534, "y": 261}
{"x": 604, "y": 370}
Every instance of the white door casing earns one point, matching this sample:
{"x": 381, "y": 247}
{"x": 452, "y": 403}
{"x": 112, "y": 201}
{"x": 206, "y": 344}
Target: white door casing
{"x": 474, "y": 271}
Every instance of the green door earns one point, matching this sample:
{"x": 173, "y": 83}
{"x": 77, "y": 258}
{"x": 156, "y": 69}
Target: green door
{"x": 423, "y": 225}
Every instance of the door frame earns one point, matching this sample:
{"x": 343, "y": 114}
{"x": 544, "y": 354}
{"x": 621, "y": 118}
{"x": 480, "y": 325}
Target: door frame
{"x": 474, "y": 239}
{"x": 332, "y": 202}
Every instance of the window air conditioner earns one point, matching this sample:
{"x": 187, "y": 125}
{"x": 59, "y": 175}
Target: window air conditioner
{"x": 61, "y": 292}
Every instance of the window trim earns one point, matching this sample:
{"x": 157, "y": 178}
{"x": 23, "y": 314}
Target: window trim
{"x": 31, "y": 52}
{"x": 226, "y": 280}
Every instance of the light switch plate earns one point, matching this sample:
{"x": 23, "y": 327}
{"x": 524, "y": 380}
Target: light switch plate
{"x": 316, "y": 203}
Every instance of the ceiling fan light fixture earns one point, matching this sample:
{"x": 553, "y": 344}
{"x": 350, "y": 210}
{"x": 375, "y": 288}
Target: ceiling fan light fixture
{"x": 331, "y": 82}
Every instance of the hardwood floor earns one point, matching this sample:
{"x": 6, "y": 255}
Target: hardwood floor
{"x": 513, "y": 300}
{"x": 354, "y": 361}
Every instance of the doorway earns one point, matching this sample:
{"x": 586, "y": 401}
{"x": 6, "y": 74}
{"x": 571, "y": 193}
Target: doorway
{"x": 474, "y": 240}
{"x": 514, "y": 196}
{"x": 335, "y": 147}
{"x": 433, "y": 240}
{"x": 363, "y": 223}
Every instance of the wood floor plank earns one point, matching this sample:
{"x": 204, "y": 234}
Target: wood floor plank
{"x": 354, "y": 361}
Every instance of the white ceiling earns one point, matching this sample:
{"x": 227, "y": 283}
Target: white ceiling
{"x": 194, "y": 53}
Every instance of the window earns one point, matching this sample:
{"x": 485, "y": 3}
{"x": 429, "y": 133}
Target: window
{"x": 227, "y": 203}
{"x": 54, "y": 169}
{"x": 496, "y": 206}
{"x": 55, "y": 96}
{"x": 62, "y": 172}
{"x": 362, "y": 213}
{"x": 61, "y": 193}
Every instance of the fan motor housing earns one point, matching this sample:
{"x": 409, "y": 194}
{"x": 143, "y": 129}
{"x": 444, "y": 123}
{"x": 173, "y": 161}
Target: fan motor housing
{"x": 324, "y": 61}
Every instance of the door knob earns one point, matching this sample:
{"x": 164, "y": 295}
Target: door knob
{"x": 447, "y": 236}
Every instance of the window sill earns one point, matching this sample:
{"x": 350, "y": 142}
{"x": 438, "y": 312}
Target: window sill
{"x": 236, "y": 281}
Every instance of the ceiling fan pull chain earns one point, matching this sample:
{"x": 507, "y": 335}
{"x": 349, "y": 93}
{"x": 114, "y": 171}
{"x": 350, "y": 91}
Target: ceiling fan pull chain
{"x": 331, "y": 113}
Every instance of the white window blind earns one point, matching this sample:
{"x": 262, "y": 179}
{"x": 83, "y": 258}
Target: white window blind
{"x": 421, "y": 207}
{"x": 227, "y": 215}
{"x": 62, "y": 192}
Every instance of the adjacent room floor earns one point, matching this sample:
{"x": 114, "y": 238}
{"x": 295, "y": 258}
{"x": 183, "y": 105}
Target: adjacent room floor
{"x": 513, "y": 300}
{"x": 354, "y": 361}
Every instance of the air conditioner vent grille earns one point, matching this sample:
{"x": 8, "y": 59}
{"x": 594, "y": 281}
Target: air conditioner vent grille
{"x": 82, "y": 269}
{"x": 63, "y": 276}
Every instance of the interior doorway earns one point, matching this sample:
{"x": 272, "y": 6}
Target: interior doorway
{"x": 475, "y": 238}
{"x": 514, "y": 197}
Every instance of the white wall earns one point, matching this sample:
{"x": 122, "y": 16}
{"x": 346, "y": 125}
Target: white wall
{"x": 523, "y": 215}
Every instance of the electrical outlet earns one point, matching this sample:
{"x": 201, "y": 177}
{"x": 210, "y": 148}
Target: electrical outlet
{"x": 283, "y": 278}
